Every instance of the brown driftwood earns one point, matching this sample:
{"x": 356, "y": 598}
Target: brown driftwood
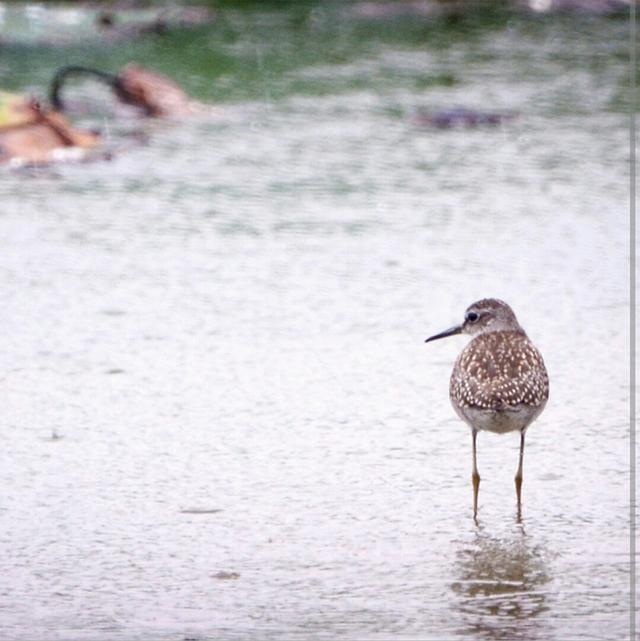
{"x": 28, "y": 134}
{"x": 154, "y": 93}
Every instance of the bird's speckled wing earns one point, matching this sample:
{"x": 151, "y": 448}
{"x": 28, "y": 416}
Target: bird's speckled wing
{"x": 499, "y": 370}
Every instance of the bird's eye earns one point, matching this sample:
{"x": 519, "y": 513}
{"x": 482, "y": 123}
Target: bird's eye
{"x": 472, "y": 317}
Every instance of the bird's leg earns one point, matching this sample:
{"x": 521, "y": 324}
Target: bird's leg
{"x": 519, "y": 473}
{"x": 475, "y": 476}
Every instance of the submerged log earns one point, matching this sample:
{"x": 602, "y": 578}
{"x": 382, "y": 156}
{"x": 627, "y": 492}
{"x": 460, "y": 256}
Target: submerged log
{"x": 154, "y": 94}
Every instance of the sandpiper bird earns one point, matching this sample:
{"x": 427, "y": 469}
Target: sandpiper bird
{"x": 499, "y": 382}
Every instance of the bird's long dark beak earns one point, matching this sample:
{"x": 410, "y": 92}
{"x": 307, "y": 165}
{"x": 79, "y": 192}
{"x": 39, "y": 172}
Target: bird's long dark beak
{"x": 447, "y": 332}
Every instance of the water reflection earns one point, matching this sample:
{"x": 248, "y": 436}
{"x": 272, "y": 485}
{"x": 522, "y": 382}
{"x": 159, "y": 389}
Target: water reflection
{"x": 500, "y": 591}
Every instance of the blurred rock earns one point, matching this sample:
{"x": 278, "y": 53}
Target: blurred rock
{"x": 111, "y": 25}
{"x": 461, "y": 117}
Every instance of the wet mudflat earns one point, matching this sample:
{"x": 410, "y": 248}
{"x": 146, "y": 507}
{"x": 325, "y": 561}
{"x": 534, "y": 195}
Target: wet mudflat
{"x": 224, "y": 329}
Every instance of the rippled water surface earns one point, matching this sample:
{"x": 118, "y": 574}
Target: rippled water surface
{"x": 224, "y": 330}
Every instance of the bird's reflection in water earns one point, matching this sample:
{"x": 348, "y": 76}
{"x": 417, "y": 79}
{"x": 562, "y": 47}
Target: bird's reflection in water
{"x": 500, "y": 590}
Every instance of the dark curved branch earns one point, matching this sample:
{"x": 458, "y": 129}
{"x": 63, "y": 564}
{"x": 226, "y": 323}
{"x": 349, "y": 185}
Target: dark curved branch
{"x": 74, "y": 70}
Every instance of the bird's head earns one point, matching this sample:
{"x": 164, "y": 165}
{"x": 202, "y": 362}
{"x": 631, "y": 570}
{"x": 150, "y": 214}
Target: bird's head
{"x": 486, "y": 315}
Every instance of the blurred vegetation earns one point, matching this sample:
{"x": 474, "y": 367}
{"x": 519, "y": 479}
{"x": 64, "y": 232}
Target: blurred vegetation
{"x": 257, "y": 49}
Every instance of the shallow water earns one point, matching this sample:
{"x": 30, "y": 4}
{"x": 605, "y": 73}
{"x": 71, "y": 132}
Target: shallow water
{"x": 224, "y": 329}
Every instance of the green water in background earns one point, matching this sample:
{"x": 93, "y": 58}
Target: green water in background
{"x": 258, "y": 51}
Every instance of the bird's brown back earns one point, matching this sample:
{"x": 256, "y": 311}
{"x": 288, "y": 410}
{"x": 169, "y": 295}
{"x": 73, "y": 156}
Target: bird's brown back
{"x": 498, "y": 370}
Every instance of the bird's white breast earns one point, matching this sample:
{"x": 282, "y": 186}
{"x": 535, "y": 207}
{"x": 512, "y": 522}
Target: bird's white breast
{"x": 514, "y": 418}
